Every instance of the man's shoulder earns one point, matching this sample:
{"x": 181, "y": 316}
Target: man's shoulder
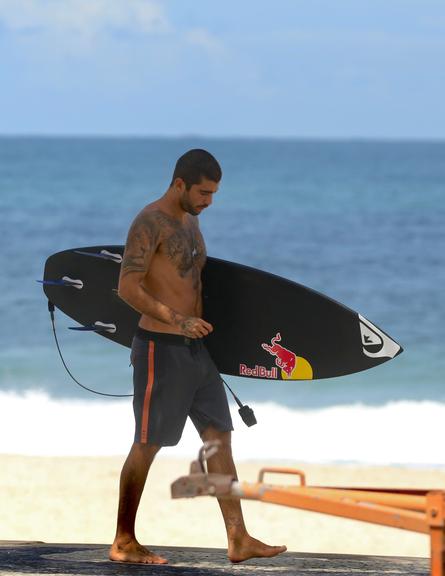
{"x": 150, "y": 222}
{"x": 153, "y": 214}
{"x": 150, "y": 210}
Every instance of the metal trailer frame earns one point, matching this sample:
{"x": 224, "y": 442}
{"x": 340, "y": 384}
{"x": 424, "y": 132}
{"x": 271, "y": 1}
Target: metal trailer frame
{"x": 415, "y": 510}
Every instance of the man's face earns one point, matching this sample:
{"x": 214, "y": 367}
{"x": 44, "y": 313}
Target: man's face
{"x": 198, "y": 197}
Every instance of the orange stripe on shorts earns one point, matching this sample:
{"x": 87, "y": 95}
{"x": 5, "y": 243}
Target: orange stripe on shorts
{"x": 148, "y": 389}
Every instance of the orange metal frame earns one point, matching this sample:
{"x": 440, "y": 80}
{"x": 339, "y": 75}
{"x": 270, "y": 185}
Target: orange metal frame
{"x": 414, "y": 510}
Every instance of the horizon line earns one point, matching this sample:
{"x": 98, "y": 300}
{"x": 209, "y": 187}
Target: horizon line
{"x": 302, "y": 138}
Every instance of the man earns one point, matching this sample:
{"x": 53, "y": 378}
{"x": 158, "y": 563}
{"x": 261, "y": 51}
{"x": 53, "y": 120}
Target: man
{"x": 174, "y": 376}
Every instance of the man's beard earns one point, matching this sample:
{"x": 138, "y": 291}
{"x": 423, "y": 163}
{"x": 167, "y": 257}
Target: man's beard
{"x": 188, "y": 207}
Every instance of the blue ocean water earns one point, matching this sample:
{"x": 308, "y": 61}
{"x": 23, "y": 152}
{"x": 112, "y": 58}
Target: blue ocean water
{"x": 360, "y": 221}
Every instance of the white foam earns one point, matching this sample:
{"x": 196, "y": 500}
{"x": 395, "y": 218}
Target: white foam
{"x": 401, "y": 433}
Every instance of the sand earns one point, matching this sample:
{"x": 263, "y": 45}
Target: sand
{"x": 74, "y": 500}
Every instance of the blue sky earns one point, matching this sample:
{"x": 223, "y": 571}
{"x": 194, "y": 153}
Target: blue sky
{"x": 288, "y": 68}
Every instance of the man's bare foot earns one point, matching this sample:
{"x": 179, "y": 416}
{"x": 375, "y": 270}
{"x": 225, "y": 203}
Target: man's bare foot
{"x": 250, "y": 547}
{"x": 132, "y": 551}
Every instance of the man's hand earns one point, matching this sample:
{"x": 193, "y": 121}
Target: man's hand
{"x": 195, "y": 327}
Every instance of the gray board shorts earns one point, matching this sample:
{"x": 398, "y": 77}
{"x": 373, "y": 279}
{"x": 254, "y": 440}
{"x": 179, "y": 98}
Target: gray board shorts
{"x": 175, "y": 377}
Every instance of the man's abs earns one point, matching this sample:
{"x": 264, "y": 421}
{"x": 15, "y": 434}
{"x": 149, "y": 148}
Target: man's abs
{"x": 181, "y": 293}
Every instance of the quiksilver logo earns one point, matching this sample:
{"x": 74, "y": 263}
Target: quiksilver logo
{"x": 375, "y": 343}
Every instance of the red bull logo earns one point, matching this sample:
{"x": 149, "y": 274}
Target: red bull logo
{"x": 285, "y": 359}
{"x": 258, "y": 372}
{"x": 293, "y": 367}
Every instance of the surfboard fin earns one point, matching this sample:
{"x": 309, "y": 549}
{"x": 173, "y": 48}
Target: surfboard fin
{"x": 65, "y": 281}
{"x": 104, "y": 254}
{"x": 96, "y": 327}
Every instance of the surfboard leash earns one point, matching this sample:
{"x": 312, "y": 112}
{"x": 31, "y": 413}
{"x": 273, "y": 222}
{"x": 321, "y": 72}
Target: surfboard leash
{"x": 51, "y": 309}
{"x": 244, "y": 411}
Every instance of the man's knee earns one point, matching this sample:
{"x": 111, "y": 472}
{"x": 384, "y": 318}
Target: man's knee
{"x": 146, "y": 451}
{"x": 212, "y": 433}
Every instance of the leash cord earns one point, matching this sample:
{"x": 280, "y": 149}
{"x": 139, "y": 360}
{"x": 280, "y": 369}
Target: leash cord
{"x": 245, "y": 412}
{"x": 51, "y": 308}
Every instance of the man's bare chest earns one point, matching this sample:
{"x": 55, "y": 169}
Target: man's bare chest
{"x": 184, "y": 249}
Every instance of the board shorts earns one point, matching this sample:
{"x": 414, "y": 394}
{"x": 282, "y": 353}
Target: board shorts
{"x": 175, "y": 377}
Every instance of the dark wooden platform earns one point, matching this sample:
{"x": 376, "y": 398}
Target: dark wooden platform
{"x": 92, "y": 559}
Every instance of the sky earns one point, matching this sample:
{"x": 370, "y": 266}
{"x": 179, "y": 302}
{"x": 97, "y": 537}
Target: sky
{"x": 232, "y": 68}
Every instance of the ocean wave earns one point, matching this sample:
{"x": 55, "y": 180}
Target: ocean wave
{"x": 397, "y": 433}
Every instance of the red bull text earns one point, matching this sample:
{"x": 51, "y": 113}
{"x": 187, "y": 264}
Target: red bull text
{"x": 258, "y": 372}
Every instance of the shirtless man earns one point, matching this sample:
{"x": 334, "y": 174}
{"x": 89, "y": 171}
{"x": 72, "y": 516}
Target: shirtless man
{"x": 174, "y": 376}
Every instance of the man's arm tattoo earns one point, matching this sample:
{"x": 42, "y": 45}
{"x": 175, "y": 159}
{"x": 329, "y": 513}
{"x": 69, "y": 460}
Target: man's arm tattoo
{"x": 142, "y": 242}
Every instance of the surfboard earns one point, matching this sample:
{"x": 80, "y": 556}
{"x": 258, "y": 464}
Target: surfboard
{"x": 265, "y": 326}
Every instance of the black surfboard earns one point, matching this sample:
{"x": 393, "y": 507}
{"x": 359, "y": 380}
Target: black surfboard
{"x": 264, "y": 326}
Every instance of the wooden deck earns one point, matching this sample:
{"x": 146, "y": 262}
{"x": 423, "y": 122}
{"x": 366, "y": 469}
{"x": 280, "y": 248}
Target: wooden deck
{"x": 92, "y": 559}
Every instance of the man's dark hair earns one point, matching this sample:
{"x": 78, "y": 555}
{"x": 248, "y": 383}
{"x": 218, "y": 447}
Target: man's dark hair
{"x": 195, "y": 165}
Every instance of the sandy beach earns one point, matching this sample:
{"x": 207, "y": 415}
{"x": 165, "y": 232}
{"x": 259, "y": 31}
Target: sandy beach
{"x": 74, "y": 500}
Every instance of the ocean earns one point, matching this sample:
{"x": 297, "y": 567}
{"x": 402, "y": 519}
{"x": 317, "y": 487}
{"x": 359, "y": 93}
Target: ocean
{"x": 360, "y": 221}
